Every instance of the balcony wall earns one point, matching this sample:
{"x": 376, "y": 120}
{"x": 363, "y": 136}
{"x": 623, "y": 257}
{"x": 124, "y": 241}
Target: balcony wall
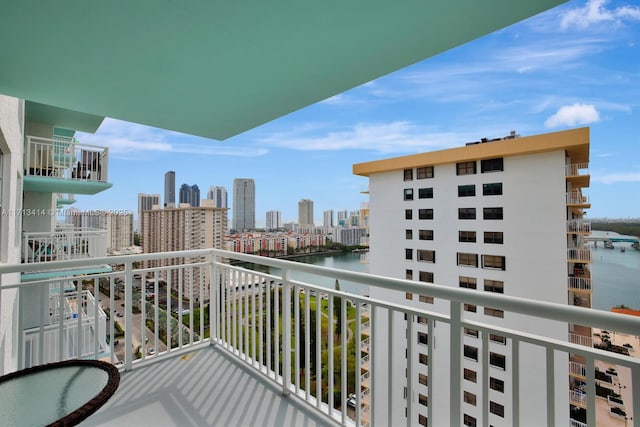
{"x": 268, "y": 322}
{"x": 65, "y": 243}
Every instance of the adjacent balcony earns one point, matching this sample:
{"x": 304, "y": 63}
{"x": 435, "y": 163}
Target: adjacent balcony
{"x": 63, "y": 165}
{"x": 578, "y": 226}
{"x": 577, "y": 200}
{"x": 202, "y": 341}
{"x": 579, "y": 283}
{"x": 578, "y": 174}
{"x": 579, "y": 255}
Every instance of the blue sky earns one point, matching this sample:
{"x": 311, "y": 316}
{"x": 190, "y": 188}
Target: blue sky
{"x": 576, "y": 65}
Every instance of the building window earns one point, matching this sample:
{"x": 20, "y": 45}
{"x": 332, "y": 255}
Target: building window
{"x": 494, "y": 262}
{"x": 425, "y": 234}
{"x": 425, "y": 213}
{"x": 467, "y": 259}
{"x": 426, "y": 299}
{"x": 422, "y": 420}
{"x": 470, "y": 375}
{"x": 467, "y": 236}
{"x": 408, "y": 254}
{"x": 423, "y": 379}
{"x": 426, "y": 255}
{"x": 426, "y": 276}
{"x": 408, "y": 234}
{"x": 467, "y": 282}
{"x": 496, "y": 384}
{"x": 424, "y": 172}
{"x": 408, "y": 174}
{"x": 466, "y": 168}
{"x": 498, "y": 339}
{"x": 498, "y": 360}
{"x": 466, "y": 190}
{"x": 471, "y": 308}
{"x": 469, "y": 421}
{"x": 492, "y": 213}
{"x": 469, "y": 398}
{"x": 496, "y": 409}
{"x": 408, "y": 295}
{"x": 471, "y": 352}
{"x": 492, "y": 165}
{"x": 422, "y": 320}
{"x": 425, "y": 193}
{"x": 408, "y": 214}
{"x": 488, "y": 311}
{"x": 423, "y": 359}
{"x": 466, "y": 213}
{"x": 423, "y": 338}
{"x": 494, "y": 286}
{"x": 471, "y": 332}
{"x": 493, "y": 189}
{"x": 495, "y": 237}
{"x": 408, "y": 193}
{"x": 408, "y": 274}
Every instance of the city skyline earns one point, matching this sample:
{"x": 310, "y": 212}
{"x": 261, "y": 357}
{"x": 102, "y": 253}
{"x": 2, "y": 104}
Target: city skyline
{"x": 575, "y": 65}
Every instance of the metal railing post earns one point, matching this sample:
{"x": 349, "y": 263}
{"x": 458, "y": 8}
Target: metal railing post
{"x": 128, "y": 315}
{"x": 286, "y": 339}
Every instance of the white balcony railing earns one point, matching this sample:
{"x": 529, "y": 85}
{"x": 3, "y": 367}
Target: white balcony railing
{"x": 65, "y": 243}
{"x": 578, "y": 369}
{"x": 577, "y": 169}
{"x": 576, "y": 198}
{"x": 578, "y": 226}
{"x": 579, "y": 283}
{"x": 63, "y": 157}
{"x": 580, "y": 340}
{"x": 264, "y": 321}
{"x": 579, "y": 254}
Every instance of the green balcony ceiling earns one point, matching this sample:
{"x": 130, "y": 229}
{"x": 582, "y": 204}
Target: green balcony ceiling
{"x": 218, "y": 68}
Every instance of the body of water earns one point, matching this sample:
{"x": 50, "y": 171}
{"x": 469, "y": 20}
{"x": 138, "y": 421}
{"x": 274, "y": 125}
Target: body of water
{"x": 615, "y": 274}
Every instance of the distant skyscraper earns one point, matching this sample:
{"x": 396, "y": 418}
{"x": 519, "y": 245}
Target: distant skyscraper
{"x": 190, "y": 194}
{"x": 170, "y": 189}
{"x": 328, "y": 218}
{"x": 305, "y": 212}
{"x": 145, "y": 203}
{"x": 274, "y": 220}
{"x": 342, "y": 218}
{"x": 219, "y": 196}
{"x": 244, "y": 204}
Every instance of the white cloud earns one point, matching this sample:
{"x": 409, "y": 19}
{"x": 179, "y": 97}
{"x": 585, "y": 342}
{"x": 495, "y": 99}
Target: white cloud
{"x": 392, "y": 137}
{"x": 129, "y": 141}
{"x": 614, "y": 178}
{"x": 571, "y": 115}
{"x": 595, "y": 12}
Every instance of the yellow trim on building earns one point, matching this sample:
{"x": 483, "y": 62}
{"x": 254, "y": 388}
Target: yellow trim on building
{"x": 575, "y": 142}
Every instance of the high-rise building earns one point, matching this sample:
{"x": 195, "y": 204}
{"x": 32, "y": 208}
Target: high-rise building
{"x": 118, "y": 226}
{"x": 244, "y": 204}
{"x": 219, "y": 196}
{"x": 305, "y": 212}
{"x": 328, "y": 218}
{"x": 170, "y": 189}
{"x": 500, "y": 216}
{"x": 343, "y": 217}
{"x": 146, "y": 202}
{"x": 190, "y": 194}
{"x": 274, "y": 220}
{"x": 183, "y": 228}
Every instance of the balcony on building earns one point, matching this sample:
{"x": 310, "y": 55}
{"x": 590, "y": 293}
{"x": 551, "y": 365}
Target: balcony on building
{"x": 578, "y": 226}
{"x": 65, "y": 243}
{"x": 200, "y": 340}
{"x": 576, "y": 200}
{"x": 578, "y": 175}
{"x": 64, "y": 165}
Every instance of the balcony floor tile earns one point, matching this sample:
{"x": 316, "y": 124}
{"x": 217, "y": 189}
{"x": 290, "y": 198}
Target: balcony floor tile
{"x": 204, "y": 388}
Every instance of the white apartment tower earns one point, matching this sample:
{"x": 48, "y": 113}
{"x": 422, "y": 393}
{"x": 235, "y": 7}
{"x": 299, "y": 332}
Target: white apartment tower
{"x": 305, "y": 212}
{"x": 119, "y": 230}
{"x": 274, "y": 220}
{"x": 146, "y": 202}
{"x": 328, "y": 218}
{"x": 244, "y": 204}
{"x": 343, "y": 217}
{"x": 183, "y": 228}
{"x": 502, "y": 216}
{"x": 219, "y": 196}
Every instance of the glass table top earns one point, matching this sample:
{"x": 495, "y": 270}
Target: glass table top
{"x": 44, "y": 395}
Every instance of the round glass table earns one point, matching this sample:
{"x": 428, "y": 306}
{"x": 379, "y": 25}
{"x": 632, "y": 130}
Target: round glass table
{"x": 56, "y": 394}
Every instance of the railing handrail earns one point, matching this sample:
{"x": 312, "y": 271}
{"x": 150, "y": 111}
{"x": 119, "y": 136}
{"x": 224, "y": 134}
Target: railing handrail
{"x": 74, "y": 142}
{"x": 548, "y": 310}
{"x": 66, "y": 232}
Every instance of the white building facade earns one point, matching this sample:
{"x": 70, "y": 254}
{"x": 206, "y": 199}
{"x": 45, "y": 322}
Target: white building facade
{"x": 491, "y": 217}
